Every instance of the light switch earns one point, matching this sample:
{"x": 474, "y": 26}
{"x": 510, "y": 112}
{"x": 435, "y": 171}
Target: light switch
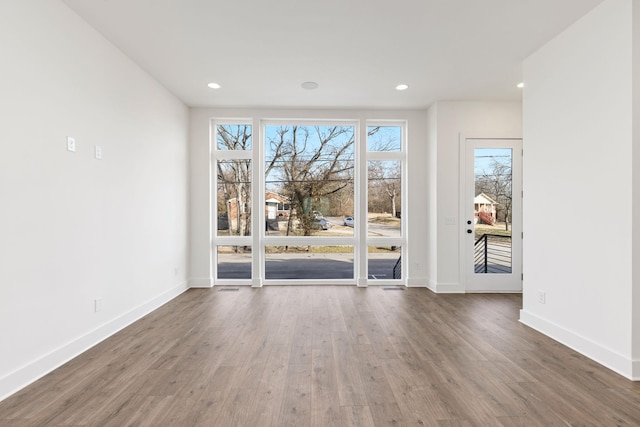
{"x": 542, "y": 297}
{"x": 71, "y": 144}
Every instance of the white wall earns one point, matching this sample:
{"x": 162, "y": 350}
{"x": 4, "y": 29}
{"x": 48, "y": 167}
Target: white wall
{"x": 432, "y": 197}
{"x": 201, "y": 202}
{"x": 74, "y": 228}
{"x": 636, "y": 191}
{"x": 578, "y": 186}
{"x": 452, "y": 119}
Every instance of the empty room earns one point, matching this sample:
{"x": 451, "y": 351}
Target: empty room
{"x": 358, "y": 213}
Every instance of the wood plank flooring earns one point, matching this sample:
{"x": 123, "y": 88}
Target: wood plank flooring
{"x": 328, "y": 356}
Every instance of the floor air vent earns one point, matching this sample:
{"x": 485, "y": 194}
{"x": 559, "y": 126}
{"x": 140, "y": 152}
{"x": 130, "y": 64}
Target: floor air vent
{"x": 228, "y": 289}
{"x": 393, "y": 288}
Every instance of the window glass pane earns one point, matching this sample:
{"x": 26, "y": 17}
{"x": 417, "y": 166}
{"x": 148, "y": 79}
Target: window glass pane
{"x": 384, "y": 138}
{"x": 384, "y": 197}
{"x": 234, "y": 262}
{"x": 309, "y": 262}
{"x": 233, "y": 137}
{"x": 309, "y": 180}
{"x": 234, "y": 197}
{"x": 384, "y": 262}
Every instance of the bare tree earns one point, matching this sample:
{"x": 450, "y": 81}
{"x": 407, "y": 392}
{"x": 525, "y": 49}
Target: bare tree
{"x": 234, "y": 178}
{"x": 382, "y": 138}
{"x": 308, "y": 164}
{"x": 384, "y": 183}
{"x": 341, "y": 202}
{"x": 496, "y": 183}
{"x": 384, "y": 177}
{"x": 234, "y": 137}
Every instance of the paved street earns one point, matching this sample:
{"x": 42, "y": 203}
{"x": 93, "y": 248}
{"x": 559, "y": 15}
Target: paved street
{"x": 377, "y": 230}
{"x": 314, "y": 266}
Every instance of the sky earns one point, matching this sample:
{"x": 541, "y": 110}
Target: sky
{"x": 484, "y": 156}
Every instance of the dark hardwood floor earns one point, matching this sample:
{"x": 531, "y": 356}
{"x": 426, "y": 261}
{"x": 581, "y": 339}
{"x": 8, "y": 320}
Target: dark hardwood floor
{"x": 328, "y": 356}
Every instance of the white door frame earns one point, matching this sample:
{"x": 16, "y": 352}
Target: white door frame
{"x": 465, "y": 269}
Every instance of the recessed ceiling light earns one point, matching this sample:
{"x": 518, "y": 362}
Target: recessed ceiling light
{"x": 214, "y": 85}
{"x": 309, "y": 85}
{"x": 520, "y": 85}
{"x": 402, "y": 87}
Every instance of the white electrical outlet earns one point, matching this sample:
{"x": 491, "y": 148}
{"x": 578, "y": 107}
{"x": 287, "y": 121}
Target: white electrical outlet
{"x": 175, "y": 271}
{"x": 542, "y": 297}
{"x": 97, "y": 304}
{"x": 98, "y": 152}
{"x": 71, "y": 144}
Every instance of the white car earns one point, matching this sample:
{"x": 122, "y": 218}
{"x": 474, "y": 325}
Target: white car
{"x": 348, "y": 221}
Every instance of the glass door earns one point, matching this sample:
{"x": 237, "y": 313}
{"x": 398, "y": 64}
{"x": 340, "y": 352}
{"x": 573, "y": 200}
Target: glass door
{"x": 492, "y": 219}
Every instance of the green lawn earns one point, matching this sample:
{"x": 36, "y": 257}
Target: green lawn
{"x": 498, "y": 229}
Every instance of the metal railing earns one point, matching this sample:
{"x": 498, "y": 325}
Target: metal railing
{"x": 492, "y": 254}
{"x": 397, "y": 269}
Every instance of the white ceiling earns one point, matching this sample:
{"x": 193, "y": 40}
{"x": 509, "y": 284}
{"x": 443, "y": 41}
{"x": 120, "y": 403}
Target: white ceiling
{"x": 260, "y": 51}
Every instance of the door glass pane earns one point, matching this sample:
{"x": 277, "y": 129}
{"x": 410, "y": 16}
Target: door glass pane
{"x": 234, "y": 262}
{"x": 384, "y": 198}
{"x": 309, "y": 262}
{"x": 233, "y": 137}
{"x": 492, "y": 210}
{"x": 234, "y": 197}
{"x": 309, "y": 180}
{"x": 384, "y": 262}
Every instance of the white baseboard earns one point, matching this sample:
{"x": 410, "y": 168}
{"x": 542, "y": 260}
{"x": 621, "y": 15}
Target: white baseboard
{"x": 417, "y": 282}
{"x": 200, "y": 282}
{"x": 35, "y": 370}
{"x": 635, "y": 369}
{"x": 446, "y": 288}
{"x": 593, "y": 350}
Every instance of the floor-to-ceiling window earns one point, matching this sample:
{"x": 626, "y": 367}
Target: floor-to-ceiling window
{"x": 232, "y": 151}
{"x": 385, "y": 164}
{"x": 310, "y": 168}
{"x": 308, "y": 201}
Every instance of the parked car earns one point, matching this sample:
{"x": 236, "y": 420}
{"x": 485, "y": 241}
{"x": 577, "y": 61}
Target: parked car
{"x": 317, "y": 215}
{"x": 322, "y": 224}
{"x": 348, "y": 221}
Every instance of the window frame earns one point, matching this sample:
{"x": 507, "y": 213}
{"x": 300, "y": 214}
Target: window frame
{"x": 222, "y": 155}
{"x": 258, "y": 241}
{"x": 400, "y": 241}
